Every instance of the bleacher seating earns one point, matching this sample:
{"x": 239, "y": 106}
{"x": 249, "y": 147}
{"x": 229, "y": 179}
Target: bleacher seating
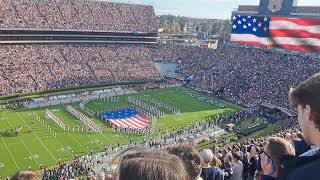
{"x": 76, "y": 15}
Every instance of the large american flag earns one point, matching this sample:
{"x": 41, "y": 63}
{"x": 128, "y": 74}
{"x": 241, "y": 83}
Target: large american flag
{"x": 126, "y": 118}
{"x": 301, "y": 34}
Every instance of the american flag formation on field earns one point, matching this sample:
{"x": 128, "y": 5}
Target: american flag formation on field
{"x": 126, "y": 118}
{"x": 300, "y": 34}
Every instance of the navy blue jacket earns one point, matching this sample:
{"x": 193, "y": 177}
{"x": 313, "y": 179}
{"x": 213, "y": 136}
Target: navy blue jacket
{"x": 300, "y": 168}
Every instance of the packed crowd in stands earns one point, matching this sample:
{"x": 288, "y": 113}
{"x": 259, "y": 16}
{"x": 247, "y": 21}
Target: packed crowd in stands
{"x": 76, "y": 15}
{"x": 242, "y": 75}
{"x": 25, "y": 68}
{"x": 246, "y": 76}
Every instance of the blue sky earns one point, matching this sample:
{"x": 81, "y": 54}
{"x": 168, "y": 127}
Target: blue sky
{"x": 213, "y": 9}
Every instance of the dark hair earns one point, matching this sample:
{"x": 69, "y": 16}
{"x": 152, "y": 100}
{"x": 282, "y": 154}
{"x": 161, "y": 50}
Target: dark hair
{"x": 151, "y": 165}
{"x": 227, "y": 165}
{"x": 236, "y": 155}
{"x": 243, "y": 149}
{"x": 308, "y": 93}
{"x": 300, "y": 135}
{"x": 26, "y": 175}
{"x": 190, "y": 157}
{"x": 236, "y": 149}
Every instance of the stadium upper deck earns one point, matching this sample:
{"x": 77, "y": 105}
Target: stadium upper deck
{"x": 76, "y": 15}
{"x": 301, "y": 11}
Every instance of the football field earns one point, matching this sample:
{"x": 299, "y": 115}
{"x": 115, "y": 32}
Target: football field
{"x": 40, "y": 147}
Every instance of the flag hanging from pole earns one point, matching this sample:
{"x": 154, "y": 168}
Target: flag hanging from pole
{"x": 300, "y": 34}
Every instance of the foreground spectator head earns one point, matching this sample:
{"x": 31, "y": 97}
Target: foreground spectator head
{"x": 227, "y": 165}
{"x": 306, "y": 99}
{"x": 274, "y": 150}
{"x": 101, "y": 176}
{"x": 207, "y": 156}
{"x": 26, "y": 175}
{"x": 216, "y": 162}
{"x": 237, "y": 166}
{"x": 151, "y": 165}
{"x": 209, "y": 171}
{"x": 255, "y": 150}
{"x": 236, "y": 157}
{"x": 190, "y": 157}
{"x": 109, "y": 177}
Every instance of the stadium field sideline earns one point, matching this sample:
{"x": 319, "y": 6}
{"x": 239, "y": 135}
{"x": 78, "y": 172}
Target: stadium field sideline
{"x": 40, "y": 148}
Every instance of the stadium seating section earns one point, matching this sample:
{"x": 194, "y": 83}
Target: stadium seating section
{"x": 77, "y": 15}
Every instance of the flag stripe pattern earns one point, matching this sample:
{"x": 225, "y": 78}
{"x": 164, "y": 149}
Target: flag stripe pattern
{"x": 126, "y": 118}
{"x": 302, "y": 34}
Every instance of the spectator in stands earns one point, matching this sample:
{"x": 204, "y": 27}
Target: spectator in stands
{"x": 237, "y": 167}
{"x": 190, "y": 157}
{"x": 209, "y": 171}
{"x": 253, "y": 161}
{"x": 151, "y": 165}
{"x": 270, "y": 157}
{"x": 244, "y": 160}
{"x": 101, "y": 176}
{"x": 104, "y": 16}
{"x": 306, "y": 99}
{"x": 26, "y": 175}
{"x": 227, "y": 172}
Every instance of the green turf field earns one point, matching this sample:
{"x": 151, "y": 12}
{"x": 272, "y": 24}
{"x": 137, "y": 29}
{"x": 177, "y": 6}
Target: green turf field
{"x": 40, "y": 148}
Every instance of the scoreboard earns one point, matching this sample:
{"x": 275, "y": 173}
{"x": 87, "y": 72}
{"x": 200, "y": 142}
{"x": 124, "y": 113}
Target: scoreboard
{"x": 275, "y": 7}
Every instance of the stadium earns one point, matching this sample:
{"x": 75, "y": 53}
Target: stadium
{"x": 82, "y": 82}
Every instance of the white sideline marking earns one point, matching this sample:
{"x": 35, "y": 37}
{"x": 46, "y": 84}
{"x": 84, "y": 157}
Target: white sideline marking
{"x": 14, "y": 160}
{"x": 38, "y": 139}
{"x": 25, "y": 145}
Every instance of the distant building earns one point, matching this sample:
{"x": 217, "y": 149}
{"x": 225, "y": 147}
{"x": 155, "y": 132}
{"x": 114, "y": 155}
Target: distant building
{"x": 188, "y": 27}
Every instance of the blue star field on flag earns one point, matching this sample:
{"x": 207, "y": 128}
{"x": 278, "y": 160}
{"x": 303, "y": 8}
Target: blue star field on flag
{"x": 256, "y": 25}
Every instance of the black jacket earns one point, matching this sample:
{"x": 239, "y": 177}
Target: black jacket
{"x": 300, "y": 168}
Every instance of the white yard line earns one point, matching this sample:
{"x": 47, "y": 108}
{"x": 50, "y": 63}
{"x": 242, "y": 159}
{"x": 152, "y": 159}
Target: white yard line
{"x": 38, "y": 138}
{"x": 77, "y": 142}
{"x": 86, "y": 136}
{"x": 31, "y": 155}
{"x": 107, "y": 139}
{"x": 14, "y": 160}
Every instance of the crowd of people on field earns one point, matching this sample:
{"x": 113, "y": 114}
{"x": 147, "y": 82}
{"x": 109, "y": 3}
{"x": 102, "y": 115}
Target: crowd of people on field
{"x": 76, "y": 15}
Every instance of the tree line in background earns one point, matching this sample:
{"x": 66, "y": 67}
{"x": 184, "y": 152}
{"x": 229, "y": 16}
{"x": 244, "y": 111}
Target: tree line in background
{"x": 180, "y": 24}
